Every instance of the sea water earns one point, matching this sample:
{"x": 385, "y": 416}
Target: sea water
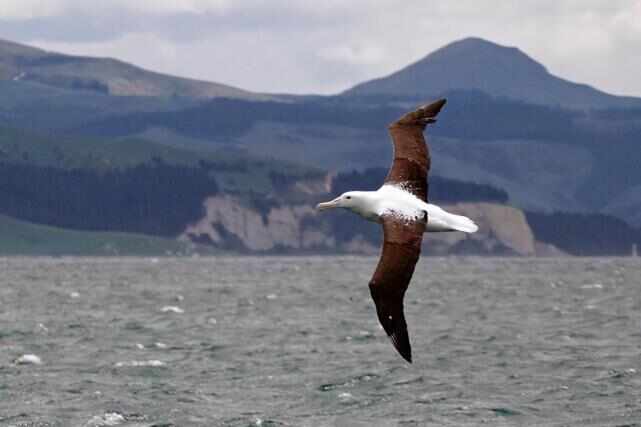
{"x": 294, "y": 341}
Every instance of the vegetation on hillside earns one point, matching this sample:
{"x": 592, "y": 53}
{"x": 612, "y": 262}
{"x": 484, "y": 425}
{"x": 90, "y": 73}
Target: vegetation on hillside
{"x": 157, "y": 199}
{"x": 584, "y": 234}
{"x": 469, "y": 115}
{"x": 234, "y": 169}
{"x": 24, "y": 238}
{"x": 472, "y": 117}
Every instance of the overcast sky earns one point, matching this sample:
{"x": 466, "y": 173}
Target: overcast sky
{"x": 326, "y": 46}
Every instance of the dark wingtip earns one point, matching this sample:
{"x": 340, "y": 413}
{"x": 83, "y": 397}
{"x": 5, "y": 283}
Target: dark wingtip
{"x": 421, "y": 116}
{"x": 406, "y": 353}
{"x": 401, "y": 341}
{"x": 431, "y": 110}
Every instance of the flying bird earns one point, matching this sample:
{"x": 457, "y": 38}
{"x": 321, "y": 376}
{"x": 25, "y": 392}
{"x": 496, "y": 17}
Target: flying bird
{"x": 401, "y": 207}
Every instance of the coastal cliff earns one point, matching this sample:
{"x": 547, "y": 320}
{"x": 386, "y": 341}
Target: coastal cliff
{"x": 502, "y": 230}
{"x": 228, "y": 223}
{"x": 231, "y": 223}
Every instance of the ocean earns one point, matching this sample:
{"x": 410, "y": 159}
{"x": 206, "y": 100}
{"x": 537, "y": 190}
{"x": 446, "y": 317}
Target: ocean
{"x": 294, "y": 341}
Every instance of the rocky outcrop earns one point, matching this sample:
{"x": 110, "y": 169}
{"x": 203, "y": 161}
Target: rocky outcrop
{"x": 231, "y": 223}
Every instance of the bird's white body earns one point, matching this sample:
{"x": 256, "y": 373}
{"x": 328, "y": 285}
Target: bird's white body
{"x": 394, "y": 200}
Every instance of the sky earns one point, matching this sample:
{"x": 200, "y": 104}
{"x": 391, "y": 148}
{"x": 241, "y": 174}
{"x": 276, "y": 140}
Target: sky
{"x": 327, "y": 46}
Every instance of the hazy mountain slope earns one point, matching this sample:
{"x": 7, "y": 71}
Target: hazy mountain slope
{"x": 102, "y": 75}
{"x": 545, "y": 157}
{"x": 44, "y": 108}
{"x": 222, "y": 120}
{"x": 497, "y": 70}
{"x": 469, "y": 112}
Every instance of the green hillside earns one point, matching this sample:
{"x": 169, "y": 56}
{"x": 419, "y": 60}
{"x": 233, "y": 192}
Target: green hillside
{"x": 24, "y": 238}
{"x": 130, "y": 185}
{"x": 235, "y": 170}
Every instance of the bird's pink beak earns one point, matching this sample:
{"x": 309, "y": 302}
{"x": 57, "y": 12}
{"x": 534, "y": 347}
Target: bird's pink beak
{"x": 328, "y": 205}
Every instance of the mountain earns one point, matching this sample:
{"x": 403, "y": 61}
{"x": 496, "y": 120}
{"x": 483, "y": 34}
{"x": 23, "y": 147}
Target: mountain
{"x": 526, "y": 152}
{"x": 244, "y": 174}
{"x": 102, "y": 75}
{"x": 477, "y": 64}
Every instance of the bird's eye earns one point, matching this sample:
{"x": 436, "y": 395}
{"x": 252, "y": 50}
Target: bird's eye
{"x": 348, "y": 197}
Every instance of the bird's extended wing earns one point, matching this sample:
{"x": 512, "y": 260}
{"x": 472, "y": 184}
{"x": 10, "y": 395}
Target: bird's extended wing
{"x": 411, "y": 154}
{"x": 401, "y": 250}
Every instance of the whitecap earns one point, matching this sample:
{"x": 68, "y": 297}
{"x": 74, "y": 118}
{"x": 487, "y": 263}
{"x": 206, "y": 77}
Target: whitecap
{"x": 345, "y": 396}
{"x": 160, "y": 345}
{"x": 140, "y": 363}
{"x": 593, "y": 286}
{"x": 74, "y": 294}
{"x": 28, "y": 359}
{"x": 108, "y": 419}
{"x": 172, "y": 309}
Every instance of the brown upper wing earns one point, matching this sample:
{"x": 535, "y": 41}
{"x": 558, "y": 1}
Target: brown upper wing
{"x": 401, "y": 250}
{"x": 411, "y": 154}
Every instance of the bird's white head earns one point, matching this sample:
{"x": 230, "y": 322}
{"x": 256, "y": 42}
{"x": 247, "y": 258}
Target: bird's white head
{"x": 348, "y": 200}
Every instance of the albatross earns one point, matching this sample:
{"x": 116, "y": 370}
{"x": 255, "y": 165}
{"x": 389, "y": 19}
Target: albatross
{"x": 401, "y": 207}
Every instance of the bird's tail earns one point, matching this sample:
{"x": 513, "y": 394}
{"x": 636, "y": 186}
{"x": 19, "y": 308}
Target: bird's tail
{"x": 462, "y": 223}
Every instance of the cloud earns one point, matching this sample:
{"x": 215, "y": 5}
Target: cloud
{"x": 327, "y": 46}
{"x": 357, "y": 55}
{"x": 29, "y": 9}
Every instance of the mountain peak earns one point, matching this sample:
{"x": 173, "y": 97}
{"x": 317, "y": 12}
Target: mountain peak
{"x": 485, "y": 53}
{"x": 481, "y": 65}
{"x": 475, "y": 43}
